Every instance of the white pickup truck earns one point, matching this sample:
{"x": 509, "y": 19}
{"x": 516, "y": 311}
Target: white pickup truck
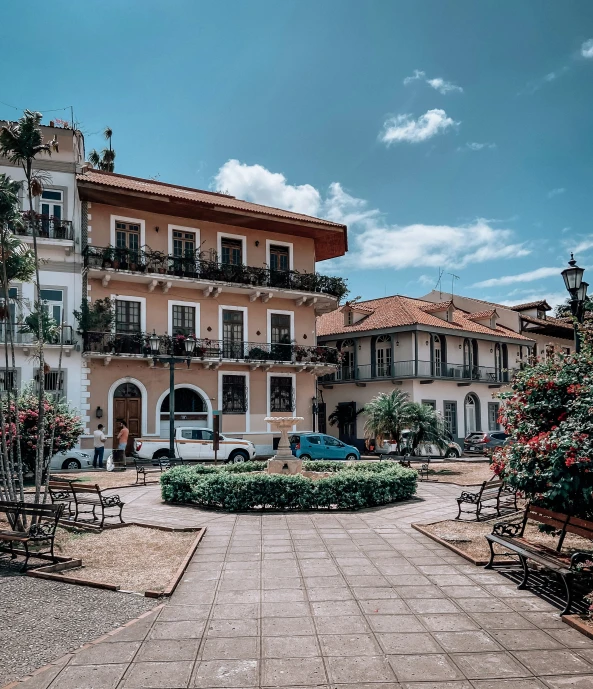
{"x": 196, "y": 444}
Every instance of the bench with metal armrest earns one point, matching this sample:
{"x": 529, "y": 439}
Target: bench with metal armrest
{"x": 511, "y": 536}
{"x": 93, "y": 497}
{"x": 151, "y": 466}
{"x": 61, "y": 492}
{"x": 491, "y": 496}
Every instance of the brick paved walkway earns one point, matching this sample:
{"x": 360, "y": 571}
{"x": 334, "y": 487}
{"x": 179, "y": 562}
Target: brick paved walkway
{"x": 332, "y": 600}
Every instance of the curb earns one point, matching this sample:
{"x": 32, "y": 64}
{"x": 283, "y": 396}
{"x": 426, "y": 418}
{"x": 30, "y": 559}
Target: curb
{"x": 180, "y": 572}
{"x": 576, "y": 622}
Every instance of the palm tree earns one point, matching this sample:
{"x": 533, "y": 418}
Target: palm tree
{"x": 21, "y": 142}
{"x": 343, "y": 415}
{"x": 426, "y": 426}
{"x": 387, "y": 416}
{"x": 106, "y": 159}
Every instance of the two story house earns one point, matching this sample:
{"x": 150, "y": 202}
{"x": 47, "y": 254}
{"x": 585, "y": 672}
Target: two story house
{"x": 56, "y": 220}
{"x": 452, "y": 353}
{"x": 237, "y": 277}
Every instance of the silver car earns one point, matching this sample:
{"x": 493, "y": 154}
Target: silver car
{"x": 71, "y": 459}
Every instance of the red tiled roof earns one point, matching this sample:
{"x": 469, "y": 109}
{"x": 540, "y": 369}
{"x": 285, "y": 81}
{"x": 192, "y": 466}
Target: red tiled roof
{"x": 542, "y": 303}
{"x": 212, "y": 199}
{"x": 360, "y": 307}
{"x": 398, "y": 311}
{"x": 431, "y": 307}
{"x": 480, "y": 315}
{"x": 549, "y": 321}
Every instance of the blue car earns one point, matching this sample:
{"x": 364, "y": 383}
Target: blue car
{"x": 321, "y": 446}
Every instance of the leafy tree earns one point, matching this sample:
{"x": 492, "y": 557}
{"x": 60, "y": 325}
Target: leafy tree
{"x": 563, "y": 310}
{"x": 106, "y": 159}
{"x": 549, "y": 415}
{"x": 426, "y": 426}
{"x": 387, "y": 416}
{"x": 343, "y": 415}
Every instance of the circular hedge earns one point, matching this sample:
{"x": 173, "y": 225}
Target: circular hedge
{"x": 244, "y": 486}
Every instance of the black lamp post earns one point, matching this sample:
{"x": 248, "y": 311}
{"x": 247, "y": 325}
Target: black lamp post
{"x": 577, "y": 288}
{"x": 155, "y": 346}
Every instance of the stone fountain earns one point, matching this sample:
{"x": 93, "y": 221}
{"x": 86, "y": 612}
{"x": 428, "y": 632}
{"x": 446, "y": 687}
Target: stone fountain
{"x": 284, "y": 462}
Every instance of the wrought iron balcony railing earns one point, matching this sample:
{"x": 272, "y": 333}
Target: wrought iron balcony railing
{"x": 45, "y": 226}
{"x": 420, "y": 369}
{"x": 195, "y": 266}
{"x": 14, "y": 333}
{"x": 139, "y": 345}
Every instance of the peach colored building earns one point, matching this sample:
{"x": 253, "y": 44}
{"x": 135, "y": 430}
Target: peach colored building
{"x": 238, "y": 277}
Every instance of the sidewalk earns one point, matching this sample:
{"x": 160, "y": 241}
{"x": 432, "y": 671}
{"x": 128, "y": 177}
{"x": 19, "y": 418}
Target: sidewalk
{"x": 321, "y": 599}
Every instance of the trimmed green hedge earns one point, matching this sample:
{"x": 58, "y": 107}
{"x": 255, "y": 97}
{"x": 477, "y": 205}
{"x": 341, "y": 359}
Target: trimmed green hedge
{"x": 235, "y": 491}
{"x": 337, "y": 465}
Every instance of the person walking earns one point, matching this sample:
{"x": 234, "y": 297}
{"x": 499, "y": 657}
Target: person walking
{"x": 99, "y": 445}
{"x": 122, "y": 436}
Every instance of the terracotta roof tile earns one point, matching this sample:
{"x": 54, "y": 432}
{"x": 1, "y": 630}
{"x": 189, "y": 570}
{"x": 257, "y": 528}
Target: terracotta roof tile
{"x": 549, "y": 320}
{"x": 213, "y": 199}
{"x": 398, "y": 311}
{"x": 480, "y": 315}
{"x": 542, "y": 303}
{"x": 432, "y": 307}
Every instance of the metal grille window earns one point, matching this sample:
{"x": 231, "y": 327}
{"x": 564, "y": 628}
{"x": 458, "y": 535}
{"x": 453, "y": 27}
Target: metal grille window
{"x": 493, "y": 409}
{"x": 127, "y": 316}
{"x": 53, "y": 381}
{"x": 281, "y": 394}
{"x": 234, "y": 394}
{"x": 232, "y": 251}
{"x": 8, "y": 381}
{"x": 279, "y": 257}
{"x": 451, "y": 417}
{"x": 184, "y": 320}
{"x": 184, "y": 244}
{"x": 127, "y": 235}
{"x": 232, "y": 334}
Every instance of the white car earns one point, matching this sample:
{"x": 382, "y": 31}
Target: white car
{"x": 71, "y": 459}
{"x": 452, "y": 451}
{"x": 196, "y": 444}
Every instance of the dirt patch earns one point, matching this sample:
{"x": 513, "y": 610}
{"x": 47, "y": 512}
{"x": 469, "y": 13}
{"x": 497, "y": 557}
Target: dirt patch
{"x": 135, "y": 558}
{"x": 107, "y": 479}
{"x": 470, "y": 537}
{"x": 461, "y": 473}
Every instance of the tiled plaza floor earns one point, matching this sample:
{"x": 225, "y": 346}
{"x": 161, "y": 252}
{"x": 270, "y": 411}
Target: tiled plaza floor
{"x": 332, "y": 600}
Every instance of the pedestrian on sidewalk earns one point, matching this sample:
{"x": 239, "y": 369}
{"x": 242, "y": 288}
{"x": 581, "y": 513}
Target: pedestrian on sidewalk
{"x": 99, "y": 445}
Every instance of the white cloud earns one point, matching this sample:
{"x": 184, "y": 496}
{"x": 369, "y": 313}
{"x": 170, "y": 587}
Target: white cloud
{"x": 256, "y": 183}
{"x": 530, "y": 276}
{"x": 587, "y": 48}
{"x": 374, "y": 243}
{"x": 584, "y": 245}
{"x": 475, "y": 146}
{"x": 553, "y": 298}
{"x": 438, "y": 83}
{"x": 548, "y": 78}
{"x": 556, "y": 192}
{"x": 406, "y": 128}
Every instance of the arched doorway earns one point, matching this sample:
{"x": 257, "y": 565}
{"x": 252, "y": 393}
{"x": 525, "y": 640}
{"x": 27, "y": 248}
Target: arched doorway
{"x": 190, "y": 410}
{"x": 127, "y": 406}
{"x": 347, "y": 352}
{"x": 472, "y": 414}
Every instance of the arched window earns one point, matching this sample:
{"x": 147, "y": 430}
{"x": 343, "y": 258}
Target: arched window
{"x": 127, "y": 390}
{"x": 187, "y": 401}
{"x": 383, "y": 356}
{"x": 497, "y": 362}
{"x": 347, "y": 351}
{"x": 437, "y": 355}
{"x": 472, "y": 413}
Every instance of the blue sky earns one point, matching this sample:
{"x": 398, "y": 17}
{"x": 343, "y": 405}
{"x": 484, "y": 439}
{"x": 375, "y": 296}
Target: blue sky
{"x": 446, "y": 133}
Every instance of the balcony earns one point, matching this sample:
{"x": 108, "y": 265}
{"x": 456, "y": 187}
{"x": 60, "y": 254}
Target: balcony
{"x": 160, "y": 268}
{"x": 25, "y": 340}
{"x": 211, "y": 352}
{"x": 44, "y": 226}
{"x": 421, "y": 369}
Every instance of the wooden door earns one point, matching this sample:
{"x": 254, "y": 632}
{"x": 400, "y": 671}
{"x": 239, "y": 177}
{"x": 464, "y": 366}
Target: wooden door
{"x": 128, "y": 409}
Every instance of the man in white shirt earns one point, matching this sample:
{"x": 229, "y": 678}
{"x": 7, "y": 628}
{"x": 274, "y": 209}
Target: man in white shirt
{"x": 99, "y": 445}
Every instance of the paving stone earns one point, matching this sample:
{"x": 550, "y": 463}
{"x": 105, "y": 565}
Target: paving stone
{"x": 329, "y": 593}
{"x": 424, "y": 668}
{"x": 399, "y": 643}
{"x": 158, "y": 675}
{"x": 290, "y": 647}
{"x": 520, "y": 640}
{"x": 232, "y": 628}
{"x": 554, "y": 662}
{"x": 349, "y": 644}
{"x": 226, "y": 673}
{"x": 287, "y": 626}
{"x": 456, "y": 622}
{"x": 341, "y": 624}
{"x": 89, "y": 677}
{"x": 384, "y": 606}
{"x": 395, "y": 623}
{"x": 285, "y": 672}
{"x": 469, "y": 641}
{"x": 432, "y": 605}
{"x": 354, "y": 669}
{"x": 168, "y": 650}
{"x": 334, "y": 608}
{"x": 120, "y": 652}
{"x": 191, "y": 629}
{"x": 489, "y": 665}
{"x": 183, "y": 613}
{"x": 572, "y": 682}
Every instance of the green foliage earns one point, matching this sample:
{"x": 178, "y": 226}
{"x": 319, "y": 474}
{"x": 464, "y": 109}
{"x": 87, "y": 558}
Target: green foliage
{"x": 244, "y": 467}
{"x": 98, "y": 317}
{"x": 549, "y": 416}
{"x": 349, "y": 488}
{"x": 426, "y": 426}
{"x": 21, "y": 141}
{"x": 337, "y": 465}
{"x": 50, "y": 330}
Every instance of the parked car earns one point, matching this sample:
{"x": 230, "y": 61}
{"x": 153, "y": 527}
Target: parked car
{"x": 478, "y": 441}
{"x": 71, "y": 459}
{"x": 453, "y": 450}
{"x": 321, "y": 446}
{"x": 196, "y": 444}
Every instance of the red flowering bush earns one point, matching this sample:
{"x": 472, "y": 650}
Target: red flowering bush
{"x": 549, "y": 416}
{"x": 68, "y": 426}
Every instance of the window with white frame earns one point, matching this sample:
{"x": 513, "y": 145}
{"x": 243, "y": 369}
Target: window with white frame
{"x": 128, "y": 316}
{"x": 127, "y": 235}
{"x": 383, "y": 355}
{"x": 53, "y": 303}
{"x": 231, "y": 251}
{"x": 450, "y": 417}
{"x": 281, "y": 394}
{"x": 493, "y": 411}
{"x": 234, "y": 394}
{"x": 183, "y": 319}
{"x": 279, "y": 257}
{"x": 184, "y": 244}
{"x": 52, "y": 204}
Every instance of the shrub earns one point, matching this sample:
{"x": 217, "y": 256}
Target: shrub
{"x": 337, "y": 465}
{"x": 234, "y": 491}
{"x": 549, "y": 416}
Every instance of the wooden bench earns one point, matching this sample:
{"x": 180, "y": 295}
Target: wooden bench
{"x": 60, "y": 491}
{"x": 510, "y": 535}
{"x": 491, "y": 496}
{"x": 424, "y": 469}
{"x": 92, "y": 496}
{"x": 150, "y": 466}
{"x": 32, "y": 527}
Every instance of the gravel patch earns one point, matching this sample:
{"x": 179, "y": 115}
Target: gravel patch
{"x": 40, "y": 620}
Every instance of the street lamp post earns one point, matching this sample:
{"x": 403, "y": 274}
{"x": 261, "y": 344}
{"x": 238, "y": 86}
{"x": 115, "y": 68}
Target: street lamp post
{"x": 155, "y": 346}
{"x": 577, "y": 288}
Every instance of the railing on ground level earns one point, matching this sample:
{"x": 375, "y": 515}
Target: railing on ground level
{"x": 14, "y": 333}
{"x": 139, "y": 344}
{"x": 194, "y": 266}
{"x": 44, "y": 226}
{"x": 420, "y": 369}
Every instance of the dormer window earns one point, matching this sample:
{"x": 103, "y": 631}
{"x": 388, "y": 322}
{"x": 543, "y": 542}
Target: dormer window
{"x": 541, "y": 314}
{"x": 349, "y": 318}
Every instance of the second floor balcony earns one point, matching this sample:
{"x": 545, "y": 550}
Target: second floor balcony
{"x": 211, "y": 352}
{"x": 193, "y": 266}
{"x": 428, "y": 370}
{"x": 44, "y": 227}
{"x": 18, "y": 334}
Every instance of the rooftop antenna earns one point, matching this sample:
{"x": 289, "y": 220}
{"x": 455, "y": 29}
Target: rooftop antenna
{"x": 439, "y": 285}
{"x": 453, "y": 278}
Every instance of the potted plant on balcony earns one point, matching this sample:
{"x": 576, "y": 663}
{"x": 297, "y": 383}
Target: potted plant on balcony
{"x": 59, "y": 227}
{"x": 258, "y": 354}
